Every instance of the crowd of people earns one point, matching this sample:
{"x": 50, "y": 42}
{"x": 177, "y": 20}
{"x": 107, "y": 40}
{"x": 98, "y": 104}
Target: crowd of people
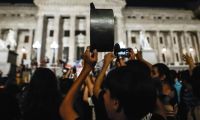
{"x": 123, "y": 89}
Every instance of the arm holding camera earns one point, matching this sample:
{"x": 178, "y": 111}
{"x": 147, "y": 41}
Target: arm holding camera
{"x": 108, "y": 58}
{"x": 140, "y": 58}
{"x": 66, "y": 74}
{"x": 131, "y": 54}
{"x": 67, "y": 111}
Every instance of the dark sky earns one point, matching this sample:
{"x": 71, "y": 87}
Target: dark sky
{"x": 151, "y": 3}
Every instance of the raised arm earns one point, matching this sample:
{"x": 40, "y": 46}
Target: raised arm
{"x": 140, "y": 58}
{"x": 108, "y": 58}
{"x": 67, "y": 111}
{"x": 188, "y": 59}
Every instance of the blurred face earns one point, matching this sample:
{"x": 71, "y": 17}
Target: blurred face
{"x": 154, "y": 73}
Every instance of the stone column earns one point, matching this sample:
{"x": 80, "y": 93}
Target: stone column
{"x": 16, "y": 37}
{"x": 172, "y": 47}
{"x": 128, "y": 43}
{"x": 87, "y": 41}
{"x": 159, "y": 56}
{"x": 0, "y": 34}
{"x": 72, "y": 46}
{"x": 186, "y": 41}
{"x": 183, "y": 42}
{"x": 58, "y": 51}
{"x": 154, "y": 41}
{"x": 120, "y": 37}
{"x": 169, "y": 48}
{"x": 198, "y": 46}
{"x": 195, "y": 38}
{"x": 31, "y": 33}
{"x": 39, "y": 35}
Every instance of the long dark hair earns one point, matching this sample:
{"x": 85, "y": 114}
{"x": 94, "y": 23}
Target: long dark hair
{"x": 43, "y": 97}
{"x": 164, "y": 70}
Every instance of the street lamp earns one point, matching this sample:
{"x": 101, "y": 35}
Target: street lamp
{"x": 191, "y": 49}
{"x": 164, "y": 50}
{"x": 54, "y": 46}
{"x": 23, "y": 50}
{"x": 37, "y": 46}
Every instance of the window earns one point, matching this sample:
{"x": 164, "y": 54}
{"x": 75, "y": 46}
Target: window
{"x": 174, "y": 40}
{"x": 66, "y": 33}
{"x": 66, "y": 53}
{"x": 177, "y": 57}
{"x": 159, "y": 17}
{"x": 24, "y": 56}
{"x": 134, "y": 17}
{"x": 148, "y": 40}
{"x": 26, "y": 39}
{"x": 133, "y": 40}
{"x": 77, "y": 32}
{"x": 180, "y": 18}
{"x": 161, "y": 40}
{"x": 167, "y": 17}
{"x": 51, "y": 33}
{"x": 163, "y": 57}
{"x": 80, "y": 51}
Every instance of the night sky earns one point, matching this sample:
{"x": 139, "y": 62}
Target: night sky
{"x": 148, "y": 3}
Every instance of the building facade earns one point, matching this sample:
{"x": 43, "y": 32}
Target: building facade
{"x": 60, "y": 29}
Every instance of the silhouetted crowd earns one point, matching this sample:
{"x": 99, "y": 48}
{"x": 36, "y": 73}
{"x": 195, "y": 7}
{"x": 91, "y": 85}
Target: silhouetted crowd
{"x": 123, "y": 89}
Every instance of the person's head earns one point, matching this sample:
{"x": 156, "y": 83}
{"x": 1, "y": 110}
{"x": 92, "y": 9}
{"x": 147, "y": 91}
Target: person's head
{"x": 196, "y": 82}
{"x": 160, "y": 71}
{"x": 184, "y": 76}
{"x": 43, "y": 81}
{"x": 42, "y": 95}
{"x": 129, "y": 91}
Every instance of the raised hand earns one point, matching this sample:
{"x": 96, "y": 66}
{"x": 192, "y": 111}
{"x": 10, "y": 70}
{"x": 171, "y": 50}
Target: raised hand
{"x": 90, "y": 59}
{"x": 188, "y": 59}
{"x": 108, "y": 58}
{"x": 139, "y": 55}
{"x": 132, "y": 54}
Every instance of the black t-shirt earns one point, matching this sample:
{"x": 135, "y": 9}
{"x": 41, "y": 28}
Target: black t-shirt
{"x": 157, "y": 117}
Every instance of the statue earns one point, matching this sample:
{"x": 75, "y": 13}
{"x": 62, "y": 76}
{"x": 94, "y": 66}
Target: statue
{"x": 10, "y": 40}
{"x": 143, "y": 42}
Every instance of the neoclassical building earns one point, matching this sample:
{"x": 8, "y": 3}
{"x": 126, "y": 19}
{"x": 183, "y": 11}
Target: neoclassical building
{"x": 60, "y": 29}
